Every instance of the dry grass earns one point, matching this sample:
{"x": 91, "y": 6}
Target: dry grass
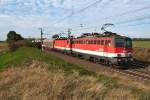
{"x": 123, "y": 80}
{"x": 3, "y": 46}
{"x": 120, "y": 94}
{"x": 37, "y": 83}
{"x": 142, "y": 54}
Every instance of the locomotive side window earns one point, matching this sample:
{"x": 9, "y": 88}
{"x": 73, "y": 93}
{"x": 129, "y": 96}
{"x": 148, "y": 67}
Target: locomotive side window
{"x": 109, "y": 42}
{"x": 87, "y": 42}
{"x": 91, "y": 41}
{"x": 77, "y": 42}
{"x": 102, "y": 42}
{"x": 82, "y": 42}
{"x": 73, "y": 42}
{"x": 105, "y": 42}
{"x": 98, "y": 42}
{"x": 94, "y": 41}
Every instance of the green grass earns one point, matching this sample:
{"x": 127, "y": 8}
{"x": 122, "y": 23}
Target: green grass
{"x": 141, "y": 44}
{"x": 25, "y": 56}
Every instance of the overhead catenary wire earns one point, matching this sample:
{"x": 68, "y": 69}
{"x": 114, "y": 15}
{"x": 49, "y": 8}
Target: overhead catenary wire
{"x": 128, "y": 12}
{"x": 127, "y": 21}
{"x": 109, "y": 17}
{"x": 133, "y": 20}
{"x": 81, "y": 10}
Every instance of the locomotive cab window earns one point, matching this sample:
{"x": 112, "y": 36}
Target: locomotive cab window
{"x": 126, "y": 43}
{"x": 119, "y": 42}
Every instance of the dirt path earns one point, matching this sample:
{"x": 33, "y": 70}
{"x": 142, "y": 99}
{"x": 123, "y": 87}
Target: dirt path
{"x": 83, "y": 63}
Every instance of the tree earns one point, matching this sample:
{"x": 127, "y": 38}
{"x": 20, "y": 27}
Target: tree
{"x": 12, "y": 36}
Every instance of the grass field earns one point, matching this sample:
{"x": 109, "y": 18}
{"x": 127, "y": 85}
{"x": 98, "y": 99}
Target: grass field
{"x": 30, "y": 74}
{"x": 141, "y": 44}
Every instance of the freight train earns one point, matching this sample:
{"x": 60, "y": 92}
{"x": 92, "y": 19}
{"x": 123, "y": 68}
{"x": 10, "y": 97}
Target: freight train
{"x": 107, "y": 48}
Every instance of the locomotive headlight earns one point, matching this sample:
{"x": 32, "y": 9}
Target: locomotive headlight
{"x": 129, "y": 55}
{"x": 119, "y": 60}
{"x": 132, "y": 59}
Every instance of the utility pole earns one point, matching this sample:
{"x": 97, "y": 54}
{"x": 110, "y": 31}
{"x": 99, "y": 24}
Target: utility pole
{"x": 41, "y": 37}
{"x": 69, "y": 33}
{"x": 70, "y": 39}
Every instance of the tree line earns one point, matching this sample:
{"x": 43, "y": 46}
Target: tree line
{"x": 15, "y": 41}
{"x": 141, "y": 39}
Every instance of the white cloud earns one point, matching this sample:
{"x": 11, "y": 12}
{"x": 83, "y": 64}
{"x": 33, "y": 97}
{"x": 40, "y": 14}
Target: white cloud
{"x": 31, "y": 14}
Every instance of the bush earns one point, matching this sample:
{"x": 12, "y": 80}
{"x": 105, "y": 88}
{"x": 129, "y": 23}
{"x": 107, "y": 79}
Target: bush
{"x": 23, "y": 43}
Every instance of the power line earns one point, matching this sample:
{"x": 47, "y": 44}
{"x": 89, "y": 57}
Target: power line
{"x": 128, "y": 12}
{"x": 122, "y": 14}
{"x": 133, "y": 20}
{"x": 130, "y": 25}
{"x": 98, "y": 1}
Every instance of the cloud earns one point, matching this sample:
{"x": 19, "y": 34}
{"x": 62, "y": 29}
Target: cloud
{"x": 30, "y": 14}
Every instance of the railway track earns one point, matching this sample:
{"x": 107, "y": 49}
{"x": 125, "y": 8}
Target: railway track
{"x": 138, "y": 74}
{"x": 138, "y": 71}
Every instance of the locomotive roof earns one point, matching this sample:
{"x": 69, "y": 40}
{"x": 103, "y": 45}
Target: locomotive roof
{"x": 96, "y": 35}
{"x": 99, "y": 35}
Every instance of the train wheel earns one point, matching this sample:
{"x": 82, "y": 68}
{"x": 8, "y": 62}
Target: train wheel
{"x": 96, "y": 60}
{"x": 80, "y": 56}
{"x": 100, "y": 61}
{"x": 74, "y": 54}
{"x": 111, "y": 64}
{"x": 91, "y": 59}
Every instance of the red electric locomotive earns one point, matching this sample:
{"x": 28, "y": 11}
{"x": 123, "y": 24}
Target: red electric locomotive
{"x": 108, "y": 48}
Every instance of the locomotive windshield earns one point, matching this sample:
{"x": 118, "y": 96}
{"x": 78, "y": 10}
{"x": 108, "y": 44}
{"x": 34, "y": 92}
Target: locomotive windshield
{"x": 123, "y": 42}
{"x": 128, "y": 43}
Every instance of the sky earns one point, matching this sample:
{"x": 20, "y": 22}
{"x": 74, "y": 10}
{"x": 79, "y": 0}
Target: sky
{"x": 130, "y": 17}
